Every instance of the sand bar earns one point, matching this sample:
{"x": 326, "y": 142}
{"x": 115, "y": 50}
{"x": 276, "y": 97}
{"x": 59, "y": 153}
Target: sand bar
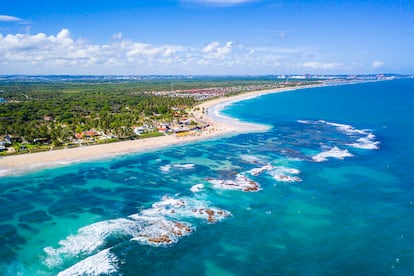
{"x": 219, "y": 126}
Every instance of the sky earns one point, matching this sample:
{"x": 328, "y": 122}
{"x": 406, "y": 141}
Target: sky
{"x": 206, "y": 37}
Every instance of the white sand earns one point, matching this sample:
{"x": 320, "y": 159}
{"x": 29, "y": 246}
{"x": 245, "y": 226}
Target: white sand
{"x": 219, "y": 126}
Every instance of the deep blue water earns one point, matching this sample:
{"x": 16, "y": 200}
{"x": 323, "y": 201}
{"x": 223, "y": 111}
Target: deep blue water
{"x": 335, "y": 177}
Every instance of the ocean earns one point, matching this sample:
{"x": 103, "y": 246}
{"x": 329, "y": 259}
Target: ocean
{"x": 328, "y": 190}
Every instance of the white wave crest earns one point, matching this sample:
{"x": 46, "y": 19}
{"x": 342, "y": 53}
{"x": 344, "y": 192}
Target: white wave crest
{"x": 241, "y": 182}
{"x": 335, "y": 152}
{"x": 184, "y": 166}
{"x": 259, "y": 171}
{"x": 184, "y": 208}
{"x": 103, "y": 263}
{"x": 197, "y": 188}
{"x": 306, "y": 122}
{"x": 165, "y": 168}
{"x": 347, "y": 129}
{"x": 161, "y": 232}
{"x": 250, "y": 159}
{"x": 366, "y": 143}
{"x": 89, "y": 238}
{"x": 284, "y": 174}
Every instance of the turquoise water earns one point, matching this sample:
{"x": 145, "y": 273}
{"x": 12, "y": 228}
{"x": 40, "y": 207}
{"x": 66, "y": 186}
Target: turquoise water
{"x": 327, "y": 191}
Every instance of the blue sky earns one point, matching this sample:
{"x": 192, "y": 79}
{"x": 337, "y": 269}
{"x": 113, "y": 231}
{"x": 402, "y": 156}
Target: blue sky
{"x": 206, "y": 37}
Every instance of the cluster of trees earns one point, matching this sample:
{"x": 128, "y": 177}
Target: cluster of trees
{"x": 57, "y": 112}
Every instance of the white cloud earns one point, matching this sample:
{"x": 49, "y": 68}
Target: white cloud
{"x": 117, "y": 36}
{"x": 211, "y": 47}
{"x": 213, "y": 50}
{"x": 376, "y": 64}
{"x": 321, "y": 65}
{"x": 8, "y": 18}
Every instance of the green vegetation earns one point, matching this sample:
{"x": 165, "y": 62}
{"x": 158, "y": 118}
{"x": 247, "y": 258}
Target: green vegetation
{"x": 39, "y": 116}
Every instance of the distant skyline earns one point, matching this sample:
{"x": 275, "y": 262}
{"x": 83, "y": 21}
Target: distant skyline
{"x": 215, "y": 37}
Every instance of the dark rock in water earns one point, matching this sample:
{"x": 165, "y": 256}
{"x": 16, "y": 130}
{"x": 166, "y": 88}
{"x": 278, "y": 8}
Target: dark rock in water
{"x": 163, "y": 239}
{"x": 210, "y": 214}
{"x": 35, "y": 216}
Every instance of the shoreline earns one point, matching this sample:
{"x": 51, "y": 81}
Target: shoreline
{"x": 220, "y": 125}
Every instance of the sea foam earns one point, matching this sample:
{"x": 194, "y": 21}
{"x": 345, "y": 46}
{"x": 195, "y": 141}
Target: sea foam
{"x": 366, "y": 142}
{"x": 184, "y": 166}
{"x": 241, "y": 182}
{"x": 160, "y": 231}
{"x": 250, "y": 159}
{"x": 364, "y": 138}
{"x": 102, "y": 263}
{"x": 284, "y": 174}
{"x": 185, "y": 208}
{"x": 167, "y": 168}
{"x": 259, "y": 171}
{"x": 161, "y": 225}
{"x": 89, "y": 239}
{"x": 335, "y": 152}
{"x": 197, "y": 188}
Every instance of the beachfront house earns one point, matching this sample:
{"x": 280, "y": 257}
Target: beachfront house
{"x": 7, "y": 140}
{"x": 140, "y": 130}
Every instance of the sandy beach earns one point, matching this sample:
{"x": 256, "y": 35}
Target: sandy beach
{"x": 220, "y": 125}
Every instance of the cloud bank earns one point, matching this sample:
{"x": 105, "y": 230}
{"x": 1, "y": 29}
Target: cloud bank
{"x": 61, "y": 53}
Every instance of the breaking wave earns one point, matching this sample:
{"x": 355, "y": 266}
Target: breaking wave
{"x": 165, "y": 223}
{"x": 335, "y": 152}
{"x": 240, "y": 182}
{"x": 102, "y": 263}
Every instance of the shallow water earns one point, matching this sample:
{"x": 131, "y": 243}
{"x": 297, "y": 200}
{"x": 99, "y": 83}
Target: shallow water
{"x": 328, "y": 190}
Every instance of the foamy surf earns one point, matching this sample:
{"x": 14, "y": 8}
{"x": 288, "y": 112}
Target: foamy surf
{"x": 165, "y": 223}
{"x": 184, "y": 166}
{"x": 364, "y": 138}
{"x": 160, "y": 231}
{"x": 251, "y": 159}
{"x": 259, "y": 171}
{"x": 366, "y": 143}
{"x": 241, "y": 182}
{"x": 197, "y": 188}
{"x": 347, "y": 129}
{"x": 185, "y": 208}
{"x": 103, "y": 263}
{"x": 89, "y": 239}
{"x": 167, "y": 168}
{"x": 284, "y": 174}
{"x": 335, "y": 152}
